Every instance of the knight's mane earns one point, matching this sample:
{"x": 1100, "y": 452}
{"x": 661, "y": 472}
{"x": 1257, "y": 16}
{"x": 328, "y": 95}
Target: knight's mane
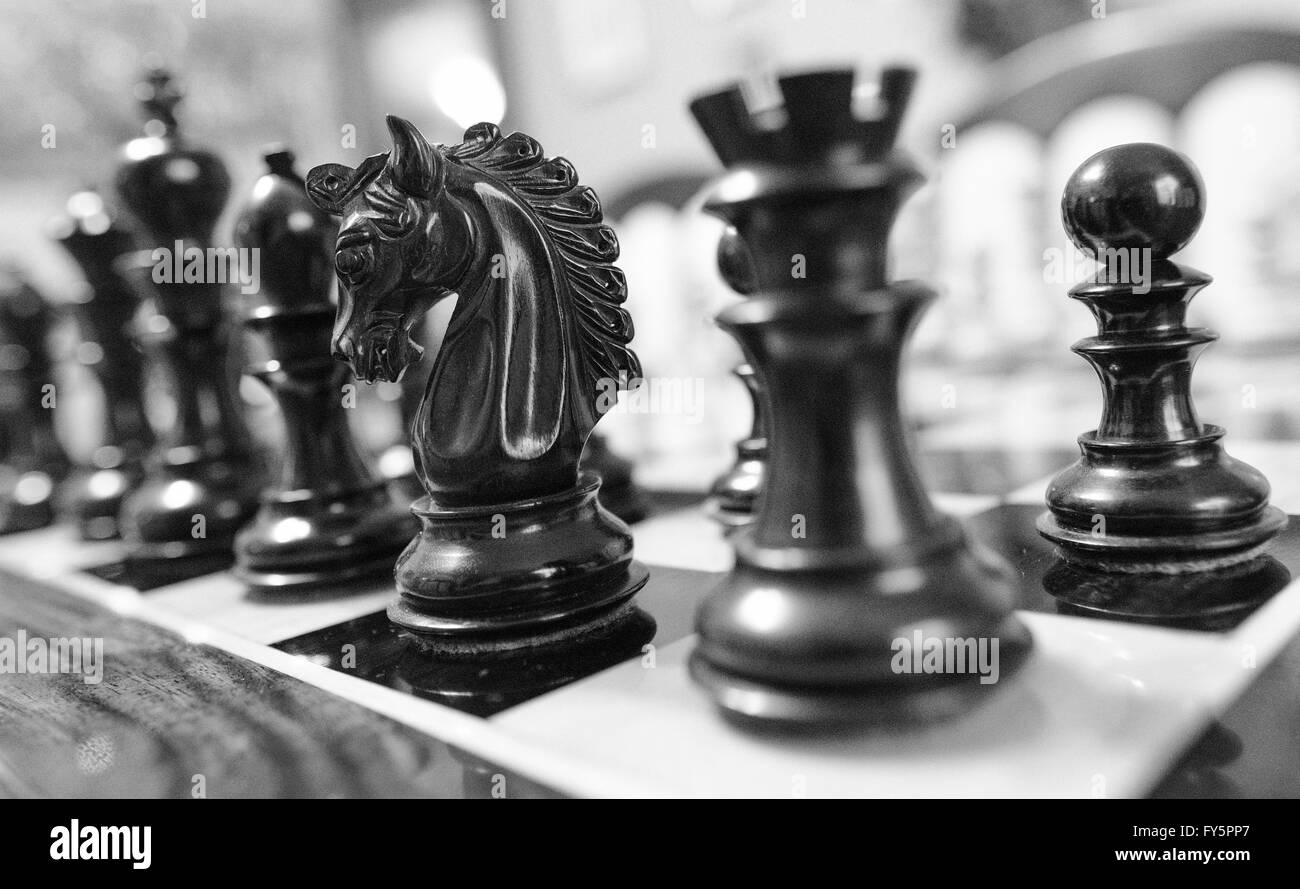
{"x": 588, "y": 248}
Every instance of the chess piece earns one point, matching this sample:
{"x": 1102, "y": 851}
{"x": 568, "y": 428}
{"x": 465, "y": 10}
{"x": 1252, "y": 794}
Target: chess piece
{"x": 202, "y": 479}
{"x": 330, "y": 519}
{"x": 847, "y": 562}
{"x": 618, "y": 492}
{"x": 31, "y": 459}
{"x": 514, "y": 548}
{"x": 93, "y": 495}
{"x": 734, "y": 496}
{"x": 1153, "y": 490}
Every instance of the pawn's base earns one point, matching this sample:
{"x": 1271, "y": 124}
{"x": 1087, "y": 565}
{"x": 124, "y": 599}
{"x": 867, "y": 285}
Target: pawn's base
{"x": 912, "y": 699}
{"x": 517, "y": 574}
{"x": 1211, "y": 601}
{"x": 1190, "y": 553}
{"x": 299, "y": 540}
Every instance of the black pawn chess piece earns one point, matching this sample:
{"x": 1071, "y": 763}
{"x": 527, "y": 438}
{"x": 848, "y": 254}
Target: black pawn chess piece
{"x": 514, "y": 548}
{"x": 733, "y": 498}
{"x": 202, "y": 478}
{"x": 32, "y": 461}
{"x": 329, "y": 519}
{"x": 1153, "y": 489}
{"x": 94, "y": 493}
{"x": 847, "y": 562}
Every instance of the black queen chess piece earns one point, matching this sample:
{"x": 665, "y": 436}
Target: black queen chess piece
{"x": 202, "y": 478}
{"x": 32, "y": 460}
{"x": 97, "y": 240}
{"x": 329, "y": 519}
{"x": 1153, "y": 490}
{"x": 514, "y": 549}
{"x": 847, "y": 559}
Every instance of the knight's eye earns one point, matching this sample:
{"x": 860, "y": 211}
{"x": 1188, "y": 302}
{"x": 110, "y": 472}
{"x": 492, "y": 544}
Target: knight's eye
{"x": 350, "y": 262}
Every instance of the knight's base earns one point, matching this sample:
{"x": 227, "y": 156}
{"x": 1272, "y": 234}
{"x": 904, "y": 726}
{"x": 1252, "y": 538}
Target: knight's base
{"x": 1189, "y": 553}
{"x": 911, "y": 699}
{"x": 512, "y": 575}
{"x": 483, "y": 679}
{"x": 590, "y": 609}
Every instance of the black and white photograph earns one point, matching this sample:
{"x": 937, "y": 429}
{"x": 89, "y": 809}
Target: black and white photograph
{"x": 628, "y": 399}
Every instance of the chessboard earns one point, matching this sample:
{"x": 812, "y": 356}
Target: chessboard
{"x": 318, "y": 694}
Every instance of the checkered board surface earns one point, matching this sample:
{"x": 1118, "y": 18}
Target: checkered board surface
{"x": 1103, "y": 708}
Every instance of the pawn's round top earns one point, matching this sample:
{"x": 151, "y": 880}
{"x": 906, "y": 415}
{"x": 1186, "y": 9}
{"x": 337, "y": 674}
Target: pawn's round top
{"x": 1135, "y": 196}
{"x": 295, "y": 238}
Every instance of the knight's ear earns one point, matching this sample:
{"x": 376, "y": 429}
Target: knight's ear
{"x": 325, "y": 185}
{"x": 413, "y": 162}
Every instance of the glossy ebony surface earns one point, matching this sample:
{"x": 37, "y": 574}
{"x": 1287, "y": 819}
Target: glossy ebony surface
{"x": 846, "y": 552}
{"x": 513, "y": 547}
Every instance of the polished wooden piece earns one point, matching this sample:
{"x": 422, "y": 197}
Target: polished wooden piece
{"x": 32, "y": 461}
{"x": 514, "y": 549}
{"x": 1153, "y": 489}
{"x": 846, "y": 554}
{"x": 733, "y": 497}
{"x": 329, "y": 519}
{"x": 202, "y": 479}
{"x": 98, "y": 240}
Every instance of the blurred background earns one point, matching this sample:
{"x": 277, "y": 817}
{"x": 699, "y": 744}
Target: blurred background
{"x": 1013, "y": 95}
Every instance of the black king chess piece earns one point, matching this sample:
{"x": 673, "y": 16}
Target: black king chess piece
{"x": 97, "y": 240}
{"x": 847, "y": 559}
{"x": 514, "y": 548}
{"x": 1153, "y": 490}
{"x": 32, "y": 461}
{"x": 330, "y": 519}
{"x": 201, "y": 479}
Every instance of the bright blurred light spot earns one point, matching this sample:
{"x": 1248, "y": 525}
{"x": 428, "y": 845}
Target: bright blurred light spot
{"x": 33, "y": 488}
{"x": 179, "y": 493}
{"x": 290, "y": 529}
{"x": 466, "y": 89}
{"x": 106, "y": 483}
{"x": 763, "y": 610}
{"x": 300, "y": 221}
{"x": 85, "y": 203}
{"x": 182, "y": 169}
{"x": 396, "y": 462}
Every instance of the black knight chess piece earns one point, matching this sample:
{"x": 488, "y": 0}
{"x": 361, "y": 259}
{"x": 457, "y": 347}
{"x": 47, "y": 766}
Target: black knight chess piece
{"x": 97, "y": 240}
{"x": 847, "y": 560}
{"x": 1153, "y": 490}
{"x": 329, "y": 519}
{"x": 202, "y": 478}
{"x": 514, "y": 547}
{"x": 32, "y": 461}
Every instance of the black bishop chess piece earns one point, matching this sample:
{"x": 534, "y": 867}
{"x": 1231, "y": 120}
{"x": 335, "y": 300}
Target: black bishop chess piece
{"x": 1153, "y": 490}
{"x": 94, "y": 237}
{"x": 847, "y": 565}
{"x": 32, "y": 461}
{"x": 514, "y": 550}
{"x": 329, "y": 519}
{"x": 202, "y": 479}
